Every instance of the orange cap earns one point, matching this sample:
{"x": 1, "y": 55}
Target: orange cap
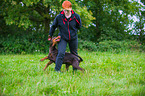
{"x": 67, "y": 5}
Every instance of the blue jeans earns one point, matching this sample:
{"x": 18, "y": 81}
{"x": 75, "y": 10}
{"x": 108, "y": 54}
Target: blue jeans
{"x": 73, "y": 46}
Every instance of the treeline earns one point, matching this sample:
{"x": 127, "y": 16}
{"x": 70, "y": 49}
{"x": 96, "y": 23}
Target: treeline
{"x": 24, "y": 24}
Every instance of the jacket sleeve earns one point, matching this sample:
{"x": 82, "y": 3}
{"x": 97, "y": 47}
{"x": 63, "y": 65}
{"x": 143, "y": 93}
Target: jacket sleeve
{"x": 79, "y": 22}
{"x": 54, "y": 26}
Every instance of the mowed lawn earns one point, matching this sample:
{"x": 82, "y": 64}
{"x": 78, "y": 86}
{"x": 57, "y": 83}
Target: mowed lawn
{"x": 107, "y": 74}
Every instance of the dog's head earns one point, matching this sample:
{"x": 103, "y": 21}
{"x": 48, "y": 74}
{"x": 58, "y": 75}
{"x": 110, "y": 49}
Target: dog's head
{"x": 54, "y": 40}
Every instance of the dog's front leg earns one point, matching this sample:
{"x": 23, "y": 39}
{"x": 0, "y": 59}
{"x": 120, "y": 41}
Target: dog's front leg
{"x": 44, "y": 58}
{"x": 67, "y": 66}
{"x": 50, "y": 62}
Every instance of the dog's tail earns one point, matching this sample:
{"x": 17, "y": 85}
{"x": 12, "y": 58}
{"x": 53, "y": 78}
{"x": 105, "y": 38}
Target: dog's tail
{"x": 78, "y": 56}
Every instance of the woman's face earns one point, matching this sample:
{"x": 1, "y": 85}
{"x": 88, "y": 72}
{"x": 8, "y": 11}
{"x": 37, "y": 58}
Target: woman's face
{"x": 67, "y": 12}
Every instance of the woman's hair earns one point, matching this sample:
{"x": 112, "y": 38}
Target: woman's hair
{"x": 66, "y": 5}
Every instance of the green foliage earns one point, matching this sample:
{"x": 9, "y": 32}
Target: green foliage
{"x": 111, "y": 46}
{"x": 118, "y": 46}
{"x": 28, "y": 13}
{"x": 86, "y": 16}
{"x": 105, "y": 24}
{"x": 22, "y": 43}
{"x": 139, "y": 27}
{"x": 87, "y": 45}
{"x": 111, "y": 18}
{"x": 106, "y": 74}
{"x": 16, "y": 14}
{"x": 32, "y": 42}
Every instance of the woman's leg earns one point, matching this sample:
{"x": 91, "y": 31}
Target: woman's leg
{"x": 61, "y": 53}
{"x": 73, "y": 46}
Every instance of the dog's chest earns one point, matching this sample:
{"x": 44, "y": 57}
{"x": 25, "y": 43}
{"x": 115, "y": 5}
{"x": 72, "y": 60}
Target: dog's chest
{"x": 52, "y": 55}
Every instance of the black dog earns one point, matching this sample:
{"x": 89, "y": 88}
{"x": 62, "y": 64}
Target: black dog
{"x": 69, "y": 59}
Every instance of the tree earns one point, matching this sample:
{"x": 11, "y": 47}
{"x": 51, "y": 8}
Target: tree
{"x": 140, "y": 25}
{"x": 111, "y": 18}
{"x": 37, "y": 13}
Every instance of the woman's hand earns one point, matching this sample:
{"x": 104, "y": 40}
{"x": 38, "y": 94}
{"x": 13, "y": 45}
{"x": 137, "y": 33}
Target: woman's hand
{"x": 49, "y": 37}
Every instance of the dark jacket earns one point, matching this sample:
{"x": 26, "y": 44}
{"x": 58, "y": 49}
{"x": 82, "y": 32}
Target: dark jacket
{"x": 67, "y": 27}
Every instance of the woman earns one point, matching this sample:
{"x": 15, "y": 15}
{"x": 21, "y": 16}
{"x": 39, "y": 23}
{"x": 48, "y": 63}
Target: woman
{"x": 68, "y": 22}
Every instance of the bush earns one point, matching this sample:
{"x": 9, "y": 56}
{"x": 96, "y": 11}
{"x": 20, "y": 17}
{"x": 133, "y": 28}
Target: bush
{"x": 35, "y": 42}
{"x": 21, "y": 44}
{"x": 113, "y": 46}
{"x": 119, "y": 46}
{"x": 87, "y": 45}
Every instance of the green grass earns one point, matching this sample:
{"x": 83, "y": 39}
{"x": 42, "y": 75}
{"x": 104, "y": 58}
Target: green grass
{"x": 107, "y": 74}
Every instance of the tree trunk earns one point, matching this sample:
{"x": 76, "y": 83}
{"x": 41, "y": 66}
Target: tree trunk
{"x": 98, "y": 32}
{"x": 46, "y": 25}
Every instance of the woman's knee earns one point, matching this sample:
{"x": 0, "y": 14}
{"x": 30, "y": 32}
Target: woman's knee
{"x": 61, "y": 54}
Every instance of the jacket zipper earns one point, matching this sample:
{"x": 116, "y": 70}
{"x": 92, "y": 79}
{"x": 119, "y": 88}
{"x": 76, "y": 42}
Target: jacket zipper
{"x": 68, "y": 30}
